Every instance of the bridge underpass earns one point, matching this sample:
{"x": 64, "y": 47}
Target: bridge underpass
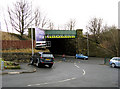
{"x": 62, "y": 41}
{"x": 62, "y": 46}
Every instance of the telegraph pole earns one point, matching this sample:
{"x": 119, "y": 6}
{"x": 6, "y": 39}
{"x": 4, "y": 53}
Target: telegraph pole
{"x": 87, "y": 44}
{"x": 32, "y": 41}
{"x": 119, "y": 28}
{"x": 32, "y": 31}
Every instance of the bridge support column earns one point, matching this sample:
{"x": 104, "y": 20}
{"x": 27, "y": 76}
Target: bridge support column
{"x": 79, "y": 45}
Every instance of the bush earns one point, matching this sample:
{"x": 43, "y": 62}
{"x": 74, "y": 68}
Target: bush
{"x": 10, "y": 65}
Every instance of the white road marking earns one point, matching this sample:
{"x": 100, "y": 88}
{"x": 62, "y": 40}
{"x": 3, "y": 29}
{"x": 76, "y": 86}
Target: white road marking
{"x": 79, "y": 67}
{"x": 83, "y": 72}
{"x": 45, "y": 83}
{"x": 52, "y": 82}
{"x": 37, "y": 84}
{"x": 73, "y": 78}
{"x": 65, "y": 80}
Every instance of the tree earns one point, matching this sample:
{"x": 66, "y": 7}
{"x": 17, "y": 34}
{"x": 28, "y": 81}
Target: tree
{"x": 71, "y": 24}
{"x": 109, "y": 39}
{"x": 105, "y": 37}
{"x": 20, "y": 16}
{"x": 5, "y": 22}
{"x": 40, "y": 21}
{"x": 51, "y": 25}
{"x": 94, "y": 27}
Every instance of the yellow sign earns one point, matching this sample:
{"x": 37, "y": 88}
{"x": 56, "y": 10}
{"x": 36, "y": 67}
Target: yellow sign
{"x": 59, "y": 36}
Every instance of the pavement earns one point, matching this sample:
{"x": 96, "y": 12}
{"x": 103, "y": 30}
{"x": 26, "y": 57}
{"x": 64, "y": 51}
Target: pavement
{"x": 25, "y": 68}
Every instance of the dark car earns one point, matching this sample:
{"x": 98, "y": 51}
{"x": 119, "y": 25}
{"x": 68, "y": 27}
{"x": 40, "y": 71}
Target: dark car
{"x": 42, "y": 58}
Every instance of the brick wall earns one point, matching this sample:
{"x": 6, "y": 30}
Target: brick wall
{"x": 16, "y": 44}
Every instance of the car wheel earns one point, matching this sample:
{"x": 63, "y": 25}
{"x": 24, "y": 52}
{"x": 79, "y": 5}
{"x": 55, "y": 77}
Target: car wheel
{"x": 31, "y": 62}
{"x": 86, "y": 58}
{"x": 113, "y": 65}
{"x": 75, "y": 57}
{"x": 50, "y": 66}
{"x": 38, "y": 64}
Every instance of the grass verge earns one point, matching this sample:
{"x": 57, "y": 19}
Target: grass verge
{"x": 9, "y": 64}
{"x": 23, "y": 51}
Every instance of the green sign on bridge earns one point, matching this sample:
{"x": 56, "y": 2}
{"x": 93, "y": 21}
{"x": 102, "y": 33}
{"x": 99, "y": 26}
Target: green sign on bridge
{"x": 60, "y": 34}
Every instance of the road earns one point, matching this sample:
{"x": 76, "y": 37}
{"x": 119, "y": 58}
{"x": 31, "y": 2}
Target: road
{"x": 72, "y": 73}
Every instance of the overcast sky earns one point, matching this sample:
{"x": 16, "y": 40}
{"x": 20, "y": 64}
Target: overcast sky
{"x": 61, "y": 11}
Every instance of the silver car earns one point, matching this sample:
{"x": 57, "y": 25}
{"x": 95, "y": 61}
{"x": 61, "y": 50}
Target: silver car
{"x": 115, "y": 62}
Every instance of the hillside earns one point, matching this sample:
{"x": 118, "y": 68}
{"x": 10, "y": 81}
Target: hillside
{"x": 12, "y": 36}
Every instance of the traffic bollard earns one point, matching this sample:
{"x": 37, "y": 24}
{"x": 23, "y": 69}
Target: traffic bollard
{"x": 2, "y": 65}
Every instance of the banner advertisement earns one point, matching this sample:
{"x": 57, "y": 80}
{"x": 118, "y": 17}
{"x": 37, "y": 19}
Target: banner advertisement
{"x": 40, "y": 37}
{"x": 39, "y": 34}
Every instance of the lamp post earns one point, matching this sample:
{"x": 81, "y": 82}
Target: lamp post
{"x": 87, "y": 44}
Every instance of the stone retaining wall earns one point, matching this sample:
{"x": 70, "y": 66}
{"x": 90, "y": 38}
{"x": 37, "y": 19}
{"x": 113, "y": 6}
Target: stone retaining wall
{"x": 18, "y": 57}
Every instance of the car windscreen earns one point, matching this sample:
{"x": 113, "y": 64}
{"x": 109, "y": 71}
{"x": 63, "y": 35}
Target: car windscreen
{"x": 81, "y": 55}
{"x": 47, "y": 55}
{"x": 118, "y": 59}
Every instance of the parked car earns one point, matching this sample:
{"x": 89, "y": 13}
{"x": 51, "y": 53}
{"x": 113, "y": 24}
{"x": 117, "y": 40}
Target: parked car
{"x": 81, "y": 56}
{"x": 42, "y": 58}
{"x": 115, "y": 62}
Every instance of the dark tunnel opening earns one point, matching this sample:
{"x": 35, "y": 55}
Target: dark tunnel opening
{"x": 62, "y": 46}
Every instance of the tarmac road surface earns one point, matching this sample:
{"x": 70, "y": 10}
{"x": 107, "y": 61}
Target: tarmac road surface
{"x": 71, "y": 73}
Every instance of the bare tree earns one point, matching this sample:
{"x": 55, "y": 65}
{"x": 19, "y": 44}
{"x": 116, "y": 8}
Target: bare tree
{"x": 40, "y": 21}
{"x": 110, "y": 39}
{"x": 37, "y": 17}
{"x": 71, "y": 24}
{"x": 94, "y": 27}
{"x": 20, "y": 16}
{"x": 5, "y": 22}
{"x": 51, "y": 25}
